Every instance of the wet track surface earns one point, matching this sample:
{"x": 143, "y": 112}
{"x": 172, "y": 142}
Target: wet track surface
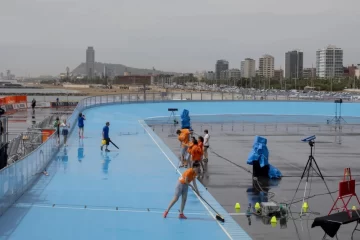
{"x": 228, "y": 178}
{"x": 229, "y": 181}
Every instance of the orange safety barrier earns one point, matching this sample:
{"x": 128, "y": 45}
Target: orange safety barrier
{"x": 13, "y": 99}
{"x": 12, "y": 104}
{"x": 46, "y": 133}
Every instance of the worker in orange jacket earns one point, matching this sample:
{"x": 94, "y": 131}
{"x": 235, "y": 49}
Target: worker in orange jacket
{"x": 196, "y": 152}
{"x": 188, "y": 155}
{"x": 201, "y": 146}
{"x": 189, "y": 176}
{"x": 183, "y": 137}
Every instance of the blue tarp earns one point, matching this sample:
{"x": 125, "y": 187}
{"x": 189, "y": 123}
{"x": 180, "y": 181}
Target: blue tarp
{"x": 260, "y": 153}
{"x": 274, "y": 172}
{"x": 185, "y": 119}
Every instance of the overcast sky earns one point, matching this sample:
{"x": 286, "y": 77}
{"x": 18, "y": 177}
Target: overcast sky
{"x": 45, "y": 36}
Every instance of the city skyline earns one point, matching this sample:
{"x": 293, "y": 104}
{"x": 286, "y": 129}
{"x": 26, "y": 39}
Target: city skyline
{"x": 147, "y": 35}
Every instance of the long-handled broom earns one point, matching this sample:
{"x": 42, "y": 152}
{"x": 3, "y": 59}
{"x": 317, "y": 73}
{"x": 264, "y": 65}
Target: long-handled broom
{"x": 114, "y": 144}
{"x": 218, "y": 216}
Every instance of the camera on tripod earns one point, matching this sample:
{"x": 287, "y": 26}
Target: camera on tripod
{"x": 310, "y": 140}
{"x": 339, "y": 100}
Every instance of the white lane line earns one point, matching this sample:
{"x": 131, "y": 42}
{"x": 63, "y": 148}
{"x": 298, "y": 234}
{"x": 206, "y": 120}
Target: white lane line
{"x": 101, "y": 209}
{"x": 168, "y": 158}
{"x": 237, "y": 214}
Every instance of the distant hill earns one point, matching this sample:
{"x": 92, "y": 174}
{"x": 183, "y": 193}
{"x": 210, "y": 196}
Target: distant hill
{"x": 117, "y": 69}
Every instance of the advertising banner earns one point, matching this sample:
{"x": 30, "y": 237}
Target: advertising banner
{"x": 63, "y": 104}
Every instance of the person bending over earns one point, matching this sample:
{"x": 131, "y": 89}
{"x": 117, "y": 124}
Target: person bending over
{"x": 181, "y": 189}
{"x": 105, "y": 134}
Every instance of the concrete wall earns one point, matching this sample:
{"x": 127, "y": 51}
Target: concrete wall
{"x": 76, "y": 86}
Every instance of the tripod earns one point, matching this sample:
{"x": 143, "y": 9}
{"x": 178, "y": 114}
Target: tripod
{"x": 337, "y": 119}
{"x": 310, "y": 165}
{"x": 172, "y": 118}
{"x": 173, "y": 121}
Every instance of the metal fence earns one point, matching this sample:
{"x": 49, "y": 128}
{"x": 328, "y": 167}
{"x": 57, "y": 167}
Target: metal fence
{"x": 252, "y": 129}
{"x": 16, "y": 178}
{"x": 205, "y": 96}
{"x": 255, "y": 118}
{"x": 257, "y": 124}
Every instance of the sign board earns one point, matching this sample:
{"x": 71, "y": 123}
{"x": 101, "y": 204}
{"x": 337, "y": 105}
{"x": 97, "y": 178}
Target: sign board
{"x": 63, "y": 104}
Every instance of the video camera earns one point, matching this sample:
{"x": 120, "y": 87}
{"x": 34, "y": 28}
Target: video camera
{"x": 310, "y": 140}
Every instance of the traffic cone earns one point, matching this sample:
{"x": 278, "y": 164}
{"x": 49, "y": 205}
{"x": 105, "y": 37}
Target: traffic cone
{"x": 305, "y": 206}
{"x": 237, "y": 206}
{"x": 257, "y": 206}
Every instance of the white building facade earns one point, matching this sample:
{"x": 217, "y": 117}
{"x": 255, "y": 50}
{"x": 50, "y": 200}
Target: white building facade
{"x": 210, "y": 75}
{"x": 329, "y": 62}
{"x": 248, "y": 68}
{"x": 266, "y": 66}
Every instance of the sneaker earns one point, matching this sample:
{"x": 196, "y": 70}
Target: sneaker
{"x": 165, "y": 214}
{"x": 101, "y": 148}
{"x": 182, "y": 216}
{"x": 107, "y": 150}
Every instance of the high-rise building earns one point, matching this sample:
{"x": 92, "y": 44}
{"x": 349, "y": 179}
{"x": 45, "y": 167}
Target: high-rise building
{"x": 278, "y": 74}
{"x": 248, "y": 68}
{"x": 221, "y": 65}
{"x": 309, "y": 73}
{"x": 224, "y": 74}
{"x": 90, "y": 62}
{"x": 352, "y": 70}
{"x": 357, "y": 71}
{"x": 210, "y": 75}
{"x": 266, "y": 66}
{"x": 329, "y": 62}
{"x": 234, "y": 73}
{"x": 294, "y": 61}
